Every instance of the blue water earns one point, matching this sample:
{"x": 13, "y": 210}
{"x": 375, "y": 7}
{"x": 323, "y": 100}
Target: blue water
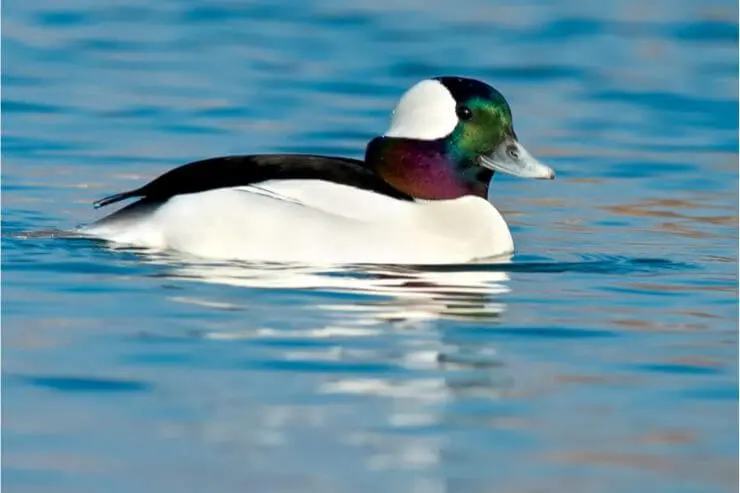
{"x": 604, "y": 358}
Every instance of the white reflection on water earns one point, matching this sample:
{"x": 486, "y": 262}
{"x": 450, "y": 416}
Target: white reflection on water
{"x": 399, "y": 306}
{"x": 400, "y": 293}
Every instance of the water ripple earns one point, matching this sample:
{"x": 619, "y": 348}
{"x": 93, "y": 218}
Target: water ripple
{"x": 85, "y": 384}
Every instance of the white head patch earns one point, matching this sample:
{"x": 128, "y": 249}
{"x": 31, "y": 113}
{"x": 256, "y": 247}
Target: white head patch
{"x": 425, "y": 112}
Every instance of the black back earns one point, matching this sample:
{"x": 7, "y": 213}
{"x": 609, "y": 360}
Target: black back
{"x": 234, "y": 171}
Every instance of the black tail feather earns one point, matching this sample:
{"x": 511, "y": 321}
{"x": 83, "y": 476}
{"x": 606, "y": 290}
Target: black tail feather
{"x": 112, "y": 199}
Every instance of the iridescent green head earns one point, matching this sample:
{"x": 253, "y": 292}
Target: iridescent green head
{"x": 484, "y": 118}
{"x": 447, "y": 137}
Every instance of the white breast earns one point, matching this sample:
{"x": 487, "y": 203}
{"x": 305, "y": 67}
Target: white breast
{"x": 312, "y": 221}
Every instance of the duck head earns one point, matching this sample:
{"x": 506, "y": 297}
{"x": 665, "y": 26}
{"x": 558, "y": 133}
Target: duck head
{"x": 447, "y": 137}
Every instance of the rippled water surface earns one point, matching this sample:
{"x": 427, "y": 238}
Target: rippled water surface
{"x": 603, "y": 358}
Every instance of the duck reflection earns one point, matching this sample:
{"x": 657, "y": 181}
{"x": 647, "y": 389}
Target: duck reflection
{"x": 395, "y": 293}
{"x": 429, "y": 327}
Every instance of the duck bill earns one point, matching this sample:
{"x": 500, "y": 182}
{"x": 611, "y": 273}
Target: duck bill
{"x": 512, "y": 158}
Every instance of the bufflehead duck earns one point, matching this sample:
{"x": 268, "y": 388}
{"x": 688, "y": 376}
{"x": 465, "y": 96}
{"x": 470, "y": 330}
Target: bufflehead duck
{"x": 420, "y": 196}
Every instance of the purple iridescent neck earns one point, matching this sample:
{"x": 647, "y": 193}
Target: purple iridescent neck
{"x": 424, "y": 169}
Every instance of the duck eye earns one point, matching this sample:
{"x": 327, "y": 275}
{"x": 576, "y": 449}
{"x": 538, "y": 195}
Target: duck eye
{"x": 463, "y": 112}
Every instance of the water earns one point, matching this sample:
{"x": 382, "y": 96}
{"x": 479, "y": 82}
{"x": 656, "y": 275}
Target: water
{"x": 604, "y": 358}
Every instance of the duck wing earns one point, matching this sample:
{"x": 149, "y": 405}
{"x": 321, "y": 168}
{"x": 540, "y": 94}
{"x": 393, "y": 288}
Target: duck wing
{"x": 235, "y": 171}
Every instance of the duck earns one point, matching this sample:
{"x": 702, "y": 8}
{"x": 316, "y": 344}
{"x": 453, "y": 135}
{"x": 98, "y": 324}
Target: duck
{"x": 421, "y": 195}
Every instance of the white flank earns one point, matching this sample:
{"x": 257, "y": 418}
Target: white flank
{"x": 312, "y": 221}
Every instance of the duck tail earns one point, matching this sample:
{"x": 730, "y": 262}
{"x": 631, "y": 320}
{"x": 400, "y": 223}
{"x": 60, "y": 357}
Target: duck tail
{"x": 112, "y": 199}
